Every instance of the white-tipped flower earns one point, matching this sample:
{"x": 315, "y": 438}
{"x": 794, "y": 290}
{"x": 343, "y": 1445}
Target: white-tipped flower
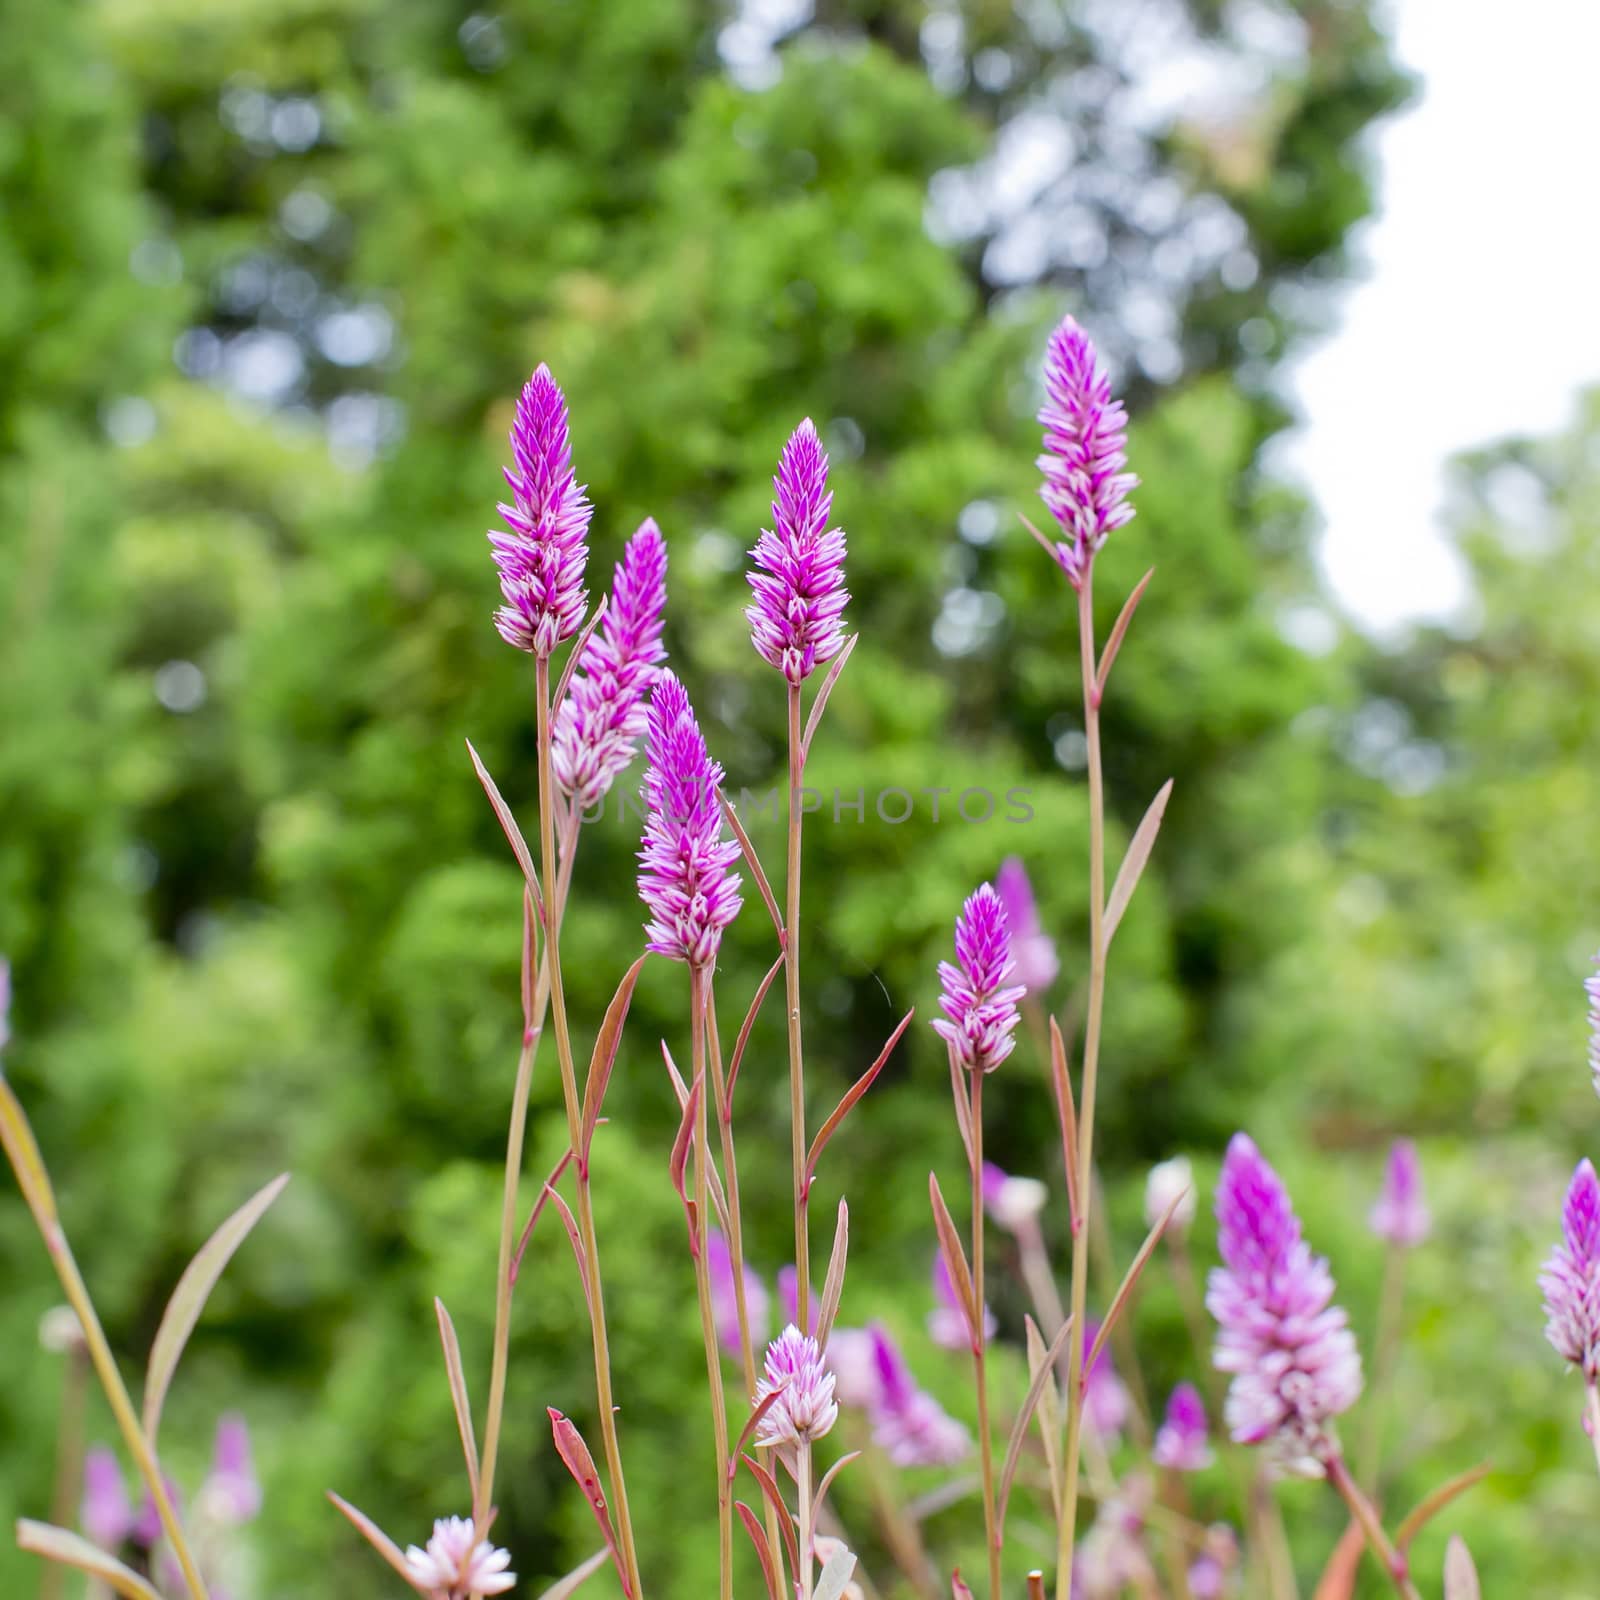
{"x": 456, "y": 1565}
{"x": 805, "y": 1408}
{"x": 1167, "y": 1181}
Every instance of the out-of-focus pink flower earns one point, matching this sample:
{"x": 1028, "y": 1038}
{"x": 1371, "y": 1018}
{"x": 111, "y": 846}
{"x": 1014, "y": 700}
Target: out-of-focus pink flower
{"x": 456, "y": 1565}
{"x": 980, "y": 1010}
{"x": 1292, "y": 1356}
{"x": 805, "y": 1408}
{"x": 1571, "y": 1277}
{"x": 1012, "y": 1203}
{"x": 232, "y": 1492}
{"x": 1400, "y": 1214}
{"x": 147, "y": 1530}
{"x": 947, "y": 1326}
{"x": 1031, "y": 947}
{"x": 106, "y": 1513}
{"x": 908, "y": 1424}
{"x": 1591, "y": 987}
{"x": 789, "y": 1298}
{"x": 1105, "y": 1399}
{"x": 851, "y": 1358}
{"x": 725, "y": 1301}
{"x": 1182, "y": 1444}
{"x": 1112, "y": 1556}
{"x": 1170, "y": 1180}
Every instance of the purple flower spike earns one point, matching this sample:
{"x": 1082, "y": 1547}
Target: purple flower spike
{"x": 1033, "y": 949}
{"x": 1085, "y": 434}
{"x": 1591, "y": 987}
{"x": 805, "y": 1410}
{"x": 1571, "y": 1278}
{"x": 908, "y": 1424}
{"x": 541, "y": 559}
{"x": 947, "y": 1322}
{"x": 147, "y": 1530}
{"x": 1400, "y": 1214}
{"x": 602, "y": 719}
{"x": 232, "y": 1492}
{"x": 685, "y": 881}
{"x": 1181, "y": 1441}
{"x": 1292, "y": 1356}
{"x": 789, "y": 1298}
{"x": 1105, "y": 1398}
{"x": 981, "y": 1011}
{"x": 106, "y": 1514}
{"x": 796, "y": 619}
{"x": 725, "y": 1299}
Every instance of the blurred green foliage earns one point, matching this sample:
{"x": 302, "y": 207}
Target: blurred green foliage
{"x": 270, "y": 276}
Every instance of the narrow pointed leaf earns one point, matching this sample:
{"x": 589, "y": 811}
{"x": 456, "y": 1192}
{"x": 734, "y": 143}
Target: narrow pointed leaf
{"x": 1338, "y": 1578}
{"x": 851, "y": 1096}
{"x": 753, "y": 861}
{"x": 1048, "y": 1410}
{"x": 744, "y": 1032}
{"x": 1050, "y": 550}
{"x": 1043, "y": 1376}
{"x": 958, "y": 1584}
{"x": 605, "y": 1057}
{"x": 1133, "y": 864}
{"x": 758, "y": 1537}
{"x": 189, "y": 1299}
{"x": 575, "y": 1457}
{"x": 827, "y": 1482}
{"x": 1460, "y": 1573}
{"x": 958, "y": 1095}
{"x": 679, "y": 1087}
{"x": 1119, "y": 632}
{"x": 575, "y": 655}
{"x": 1130, "y": 1279}
{"x": 820, "y": 703}
{"x": 955, "y": 1260}
{"x": 1431, "y": 1505}
{"x": 833, "y": 1284}
{"x": 458, "y": 1392}
{"x": 531, "y": 1024}
{"x": 1067, "y": 1113}
{"x": 538, "y": 1206}
{"x": 68, "y": 1549}
{"x": 574, "y": 1580}
{"x": 508, "y": 826}
{"x": 376, "y": 1537}
{"x": 774, "y": 1498}
{"x": 835, "y": 1575}
{"x": 680, "y": 1158}
{"x": 752, "y": 1422}
{"x": 564, "y": 1211}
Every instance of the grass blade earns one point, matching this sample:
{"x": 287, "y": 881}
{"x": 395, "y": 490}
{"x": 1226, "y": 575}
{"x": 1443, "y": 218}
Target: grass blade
{"x": 377, "y": 1538}
{"x": 1043, "y": 1374}
{"x": 71, "y": 1550}
{"x": 605, "y": 1058}
{"x": 955, "y": 1260}
{"x": 833, "y": 1284}
{"x": 1133, "y": 864}
{"x": 851, "y": 1096}
{"x": 458, "y": 1392}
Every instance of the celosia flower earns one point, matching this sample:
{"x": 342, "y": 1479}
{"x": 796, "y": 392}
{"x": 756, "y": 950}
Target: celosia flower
{"x": 1591, "y": 988}
{"x": 853, "y": 1361}
{"x": 725, "y": 1298}
{"x": 1085, "y": 434}
{"x": 541, "y": 559}
{"x": 805, "y": 1408}
{"x": 980, "y": 1012}
{"x": 1012, "y": 1203}
{"x": 106, "y": 1514}
{"x": 947, "y": 1323}
{"x": 908, "y": 1424}
{"x": 1571, "y": 1277}
{"x": 1292, "y": 1356}
{"x": 231, "y": 1493}
{"x": 796, "y": 616}
{"x": 1181, "y": 1441}
{"x": 1033, "y": 949}
{"x": 599, "y": 723}
{"x": 1112, "y": 1557}
{"x": 1105, "y": 1398}
{"x": 457, "y": 1565}
{"x": 685, "y": 881}
{"x": 1400, "y": 1214}
{"x": 1170, "y": 1180}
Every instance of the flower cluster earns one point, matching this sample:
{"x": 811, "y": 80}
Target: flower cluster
{"x": 457, "y": 1564}
{"x": 686, "y": 883}
{"x": 541, "y": 559}
{"x": 1400, "y": 1214}
{"x": 805, "y": 1408}
{"x": 599, "y": 723}
{"x": 1032, "y": 948}
{"x": 796, "y": 618}
{"x": 980, "y": 1012}
{"x": 1182, "y": 1442}
{"x": 1571, "y": 1277}
{"x": 1292, "y": 1356}
{"x": 1085, "y": 434}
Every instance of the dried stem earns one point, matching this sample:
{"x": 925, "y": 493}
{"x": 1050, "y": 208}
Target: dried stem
{"x": 1362, "y": 1509}
{"x": 791, "y": 973}
{"x": 1091, "y": 1065}
{"x": 980, "y": 1344}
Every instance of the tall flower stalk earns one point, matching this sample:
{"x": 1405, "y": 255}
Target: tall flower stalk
{"x": 796, "y": 625}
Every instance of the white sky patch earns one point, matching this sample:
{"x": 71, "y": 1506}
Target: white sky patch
{"x": 1478, "y": 318}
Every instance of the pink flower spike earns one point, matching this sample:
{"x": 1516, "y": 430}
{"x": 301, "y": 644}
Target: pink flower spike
{"x": 456, "y": 1565}
{"x": 1012, "y": 1203}
{"x": 1292, "y": 1356}
{"x": 947, "y": 1324}
{"x": 980, "y": 1011}
{"x": 908, "y": 1424}
{"x": 1085, "y": 437}
{"x": 1033, "y": 949}
{"x": 232, "y": 1492}
{"x": 1571, "y": 1277}
{"x": 796, "y": 618}
{"x": 725, "y": 1299}
{"x": 1400, "y": 1214}
{"x": 1181, "y": 1441}
{"x": 106, "y": 1514}
{"x": 805, "y": 1409}
{"x": 542, "y": 556}
{"x": 1105, "y": 1398}
{"x": 789, "y": 1298}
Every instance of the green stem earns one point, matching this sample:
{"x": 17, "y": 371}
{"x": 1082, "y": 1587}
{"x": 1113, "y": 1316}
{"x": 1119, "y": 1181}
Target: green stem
{"x": 802, "y": 1478}
{"x": 1091, "y": 1066}
{"x": 69, "y": 1462}
{"x": 1387, "y": 1349}
{"x": 980, "y": 1344}
{"x": 791, "y": 975}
